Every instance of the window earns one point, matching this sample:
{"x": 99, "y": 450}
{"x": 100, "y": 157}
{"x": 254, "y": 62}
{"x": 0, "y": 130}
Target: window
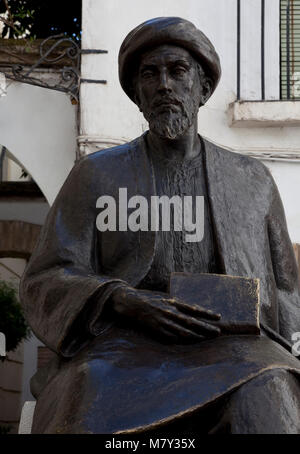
{"x": 290, "y": 49}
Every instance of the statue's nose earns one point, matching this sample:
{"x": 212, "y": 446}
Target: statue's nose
{"x": 164, "y": 82}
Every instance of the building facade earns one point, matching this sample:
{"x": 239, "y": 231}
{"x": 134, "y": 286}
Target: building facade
{"x": 255, "y": 110}
{"x": 246, "y": 113}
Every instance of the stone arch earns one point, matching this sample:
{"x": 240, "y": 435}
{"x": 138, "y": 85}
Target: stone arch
{"x": 38, "y": 126}
{"x": 18, "y": 238}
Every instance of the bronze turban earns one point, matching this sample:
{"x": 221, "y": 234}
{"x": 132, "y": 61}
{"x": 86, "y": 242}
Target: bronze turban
{"x": 166, "y": 30}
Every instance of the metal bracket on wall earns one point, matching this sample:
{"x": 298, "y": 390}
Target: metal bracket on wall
{"x": 91, "y": 52}
{"x": 63, "y": 51}
{"x": 92, "y": 81}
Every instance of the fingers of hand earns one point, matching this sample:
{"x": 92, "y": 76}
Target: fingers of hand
{"x": 194, "y": 310}
{"x": 173, "y": 329}
{"x": 199, "y": 327}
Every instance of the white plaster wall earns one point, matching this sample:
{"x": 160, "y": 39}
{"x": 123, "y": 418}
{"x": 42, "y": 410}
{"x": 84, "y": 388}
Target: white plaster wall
{"x": 250, "y": 49}
{"x": 107, "y": 114}
{"x": 38, "y": 126}
{"x": 106, "y": 111}
{"x": 287, "y": 176}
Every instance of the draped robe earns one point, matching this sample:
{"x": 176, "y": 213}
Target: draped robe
{"x": 111, "y": 378}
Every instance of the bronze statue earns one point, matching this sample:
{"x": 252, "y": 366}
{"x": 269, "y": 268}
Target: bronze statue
{"x": 131, "y": 357}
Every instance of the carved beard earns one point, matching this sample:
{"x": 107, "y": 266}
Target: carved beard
{"x": 173, "y": 121}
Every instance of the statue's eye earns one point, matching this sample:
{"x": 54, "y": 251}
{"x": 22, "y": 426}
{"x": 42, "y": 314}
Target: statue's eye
{"x": 148, "y": 73}
{"x": 179, "y": 71}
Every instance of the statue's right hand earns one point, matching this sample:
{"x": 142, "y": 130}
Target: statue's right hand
{"x": 167, "y": 316}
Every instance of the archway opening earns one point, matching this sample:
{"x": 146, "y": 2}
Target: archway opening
{"x": 23, "y": 209}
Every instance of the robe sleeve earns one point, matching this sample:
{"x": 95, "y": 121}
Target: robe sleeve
{"x": 285, "y": 269}
{"x": 62, "y": 290}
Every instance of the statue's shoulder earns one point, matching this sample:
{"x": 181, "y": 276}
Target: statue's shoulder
{"x": 113, "y": 154}
{"x": 103, "y": 164}
{"x": 243, "y": 162}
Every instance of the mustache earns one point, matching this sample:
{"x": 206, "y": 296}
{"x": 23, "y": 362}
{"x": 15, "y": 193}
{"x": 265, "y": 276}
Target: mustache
{"x": 166, "y": 100}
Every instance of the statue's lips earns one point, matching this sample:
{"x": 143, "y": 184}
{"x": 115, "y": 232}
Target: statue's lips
{"x": 166, "y": 105}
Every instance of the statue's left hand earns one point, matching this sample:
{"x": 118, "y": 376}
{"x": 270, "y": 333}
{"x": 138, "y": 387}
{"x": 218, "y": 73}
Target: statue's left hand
{"x": 166, "y": 316}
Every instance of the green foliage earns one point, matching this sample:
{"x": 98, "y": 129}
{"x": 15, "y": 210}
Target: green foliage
{"x": 4, "y": 430}
{"x": 18, "y": 19}
{"x": 40, "y": 18}
{"x": 12, "y": 322}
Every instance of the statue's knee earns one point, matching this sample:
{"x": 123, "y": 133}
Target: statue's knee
{"x": 278, "y": 376}
{"x": 279, "y": 379}
{"x": 272, "y": 385}
{"x": 269, "y": 403}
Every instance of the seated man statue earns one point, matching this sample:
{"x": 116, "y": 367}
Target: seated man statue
{"x": 131, "y": 358}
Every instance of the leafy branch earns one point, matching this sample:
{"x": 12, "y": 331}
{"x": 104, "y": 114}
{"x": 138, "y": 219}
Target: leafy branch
{"x": 39, "y": 19}
{"x": 17, "y": 23}
{"x": 12, "y": 321}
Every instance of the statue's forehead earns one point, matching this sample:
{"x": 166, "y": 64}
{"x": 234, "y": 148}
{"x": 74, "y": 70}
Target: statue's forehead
{"x": 166, "y": 52}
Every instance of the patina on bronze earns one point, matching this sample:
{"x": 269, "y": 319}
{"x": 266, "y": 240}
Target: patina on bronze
{"x": 130, "y": 358}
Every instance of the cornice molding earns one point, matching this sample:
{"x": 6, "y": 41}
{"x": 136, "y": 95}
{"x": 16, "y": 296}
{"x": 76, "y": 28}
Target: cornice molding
{"x": 91, "y": 143}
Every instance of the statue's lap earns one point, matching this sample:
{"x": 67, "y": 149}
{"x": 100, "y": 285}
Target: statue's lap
{"x": 124, "y": 380}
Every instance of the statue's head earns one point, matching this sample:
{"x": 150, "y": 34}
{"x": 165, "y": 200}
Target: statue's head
{"x": 169, "y": 68}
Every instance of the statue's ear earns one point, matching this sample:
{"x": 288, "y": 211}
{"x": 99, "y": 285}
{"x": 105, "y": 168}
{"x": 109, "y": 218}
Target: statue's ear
{"x": 206, "y": 85}
{"x": 206, "y": 90}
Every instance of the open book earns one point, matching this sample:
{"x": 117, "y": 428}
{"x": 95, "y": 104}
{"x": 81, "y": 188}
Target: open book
{"x": 235, "y": 298}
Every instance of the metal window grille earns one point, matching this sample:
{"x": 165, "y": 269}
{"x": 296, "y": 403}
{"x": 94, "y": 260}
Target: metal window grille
{"x": 290, "y": 49}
